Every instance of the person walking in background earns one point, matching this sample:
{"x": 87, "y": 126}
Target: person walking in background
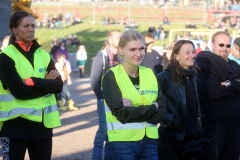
{"x": 64, "y": 68}
{"x": 104, "y": 60}
{"x": 29, "y": 81}
{"x": 219, "y": 97}
{"x": 61, "y": 50}
{"x": 152, "y": 58}
{"x": 68, "y": 18}
{"x": 235, "y": 51}
{"x": 131, "y": 98}
{"x": 181, "y": 139}
{"x": 81, "y": 57}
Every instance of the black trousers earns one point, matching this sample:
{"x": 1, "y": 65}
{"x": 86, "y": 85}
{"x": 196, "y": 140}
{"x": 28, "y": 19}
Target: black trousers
{"x": 220, "y": 142}
{"x": 14, "y": 149}
{"x": 175, "y": 151}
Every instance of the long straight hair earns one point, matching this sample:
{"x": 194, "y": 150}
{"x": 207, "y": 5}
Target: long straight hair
{"x": 174, "y": 64}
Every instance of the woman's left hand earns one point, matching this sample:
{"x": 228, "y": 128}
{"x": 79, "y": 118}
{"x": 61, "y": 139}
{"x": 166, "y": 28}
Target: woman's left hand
{"x": 53, "y": 74}
{"x": 224, "y": 83}
{"x": 127, "y": 102}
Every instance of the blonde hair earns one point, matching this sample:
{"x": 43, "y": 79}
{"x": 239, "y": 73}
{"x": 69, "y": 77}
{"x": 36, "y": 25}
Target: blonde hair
{"x": 5, "y": 42}
{"x": 60, "y": 56}
{"x": 129, "y": 35}
{"x": 80, "y": 48}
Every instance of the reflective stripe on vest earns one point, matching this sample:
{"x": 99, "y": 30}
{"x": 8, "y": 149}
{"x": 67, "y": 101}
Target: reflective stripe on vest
{"x": 126, "y": 126}
{"x": 50, "y": 109}
{"x": 6, "y": 97}
{"x": 28, "y": 111}
{"x": 18, "y": 111}
{"x": 106, "y": 108}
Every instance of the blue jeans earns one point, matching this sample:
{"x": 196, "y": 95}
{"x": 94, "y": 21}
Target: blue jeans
{"x": 65, "y": 91}
{"x": 145, "y": 149}
{"x": 101, "y": 135}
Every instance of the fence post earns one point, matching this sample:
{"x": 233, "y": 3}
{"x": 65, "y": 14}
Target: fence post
{"x": 129, "y": 12}
{"x": 93, "y": 13}
{"x": 204, "y": 13}
{"x": 170, "y": 36}
{"x": 166, "y": 9}
{"x": 59, "y": 7}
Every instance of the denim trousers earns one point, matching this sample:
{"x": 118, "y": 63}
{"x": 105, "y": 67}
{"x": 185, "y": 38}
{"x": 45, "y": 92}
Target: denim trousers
{"x": 101, "y": 134}
{"x": 145, "y": 149}
{"x": 65, "y": 91}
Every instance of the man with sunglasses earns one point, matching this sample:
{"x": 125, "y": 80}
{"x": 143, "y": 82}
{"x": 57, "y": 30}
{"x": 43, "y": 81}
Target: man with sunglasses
{"x": 152, "y": 58}
{"x": 219, "y": 97}
{"x": 235, "y": 51}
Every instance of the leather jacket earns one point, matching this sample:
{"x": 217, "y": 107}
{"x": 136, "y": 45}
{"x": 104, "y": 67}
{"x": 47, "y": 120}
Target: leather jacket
{"x": 176, "y": 105}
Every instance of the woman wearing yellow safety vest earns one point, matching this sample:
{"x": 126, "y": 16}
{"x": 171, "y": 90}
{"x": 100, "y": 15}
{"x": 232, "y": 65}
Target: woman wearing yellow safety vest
{"x": 181, "y": 139}
{"x": 132, "y": 99}
{"x": 29, "y": 82}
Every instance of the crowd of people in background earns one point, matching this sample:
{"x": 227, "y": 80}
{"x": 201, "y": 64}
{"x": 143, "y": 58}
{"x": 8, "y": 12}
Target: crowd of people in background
{"x": 128, "y": 24}
{"x": 228, "y": 5}
{"x": 57, "y": 21}
{"x": 159, "y": 33}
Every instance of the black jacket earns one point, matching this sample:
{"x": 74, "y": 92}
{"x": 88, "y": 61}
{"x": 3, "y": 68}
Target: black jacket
{"x": 176, "y": 105}
{"x": 219, "y": 103}
{"x": 99, "y": 67}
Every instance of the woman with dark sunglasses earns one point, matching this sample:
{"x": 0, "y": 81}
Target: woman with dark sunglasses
{"x": 219, "y": 97}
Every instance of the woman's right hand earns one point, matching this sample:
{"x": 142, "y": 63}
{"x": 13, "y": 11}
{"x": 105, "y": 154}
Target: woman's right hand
{"x": 53, "y": 74}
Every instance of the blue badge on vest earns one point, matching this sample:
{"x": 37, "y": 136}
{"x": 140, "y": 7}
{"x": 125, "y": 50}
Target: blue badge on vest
{"x": 154, "y": 92}
{"x": 42, "y": 70}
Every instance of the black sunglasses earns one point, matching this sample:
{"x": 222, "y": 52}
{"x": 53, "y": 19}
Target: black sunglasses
{"x": 222, "y": 45}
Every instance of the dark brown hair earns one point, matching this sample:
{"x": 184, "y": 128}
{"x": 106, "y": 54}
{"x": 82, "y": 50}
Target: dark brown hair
{"x": 174, "y": 64}
{"x": 148, "y": 34}
{"x": 15, "y": 20}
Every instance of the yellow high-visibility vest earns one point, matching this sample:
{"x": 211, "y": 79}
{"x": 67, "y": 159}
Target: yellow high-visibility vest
{"x": 145, "y": 96}
{"x": 32, "y": 109}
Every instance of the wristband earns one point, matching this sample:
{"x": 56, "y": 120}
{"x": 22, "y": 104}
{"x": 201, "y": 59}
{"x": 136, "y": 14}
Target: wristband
{"x": 29, "y": 82}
